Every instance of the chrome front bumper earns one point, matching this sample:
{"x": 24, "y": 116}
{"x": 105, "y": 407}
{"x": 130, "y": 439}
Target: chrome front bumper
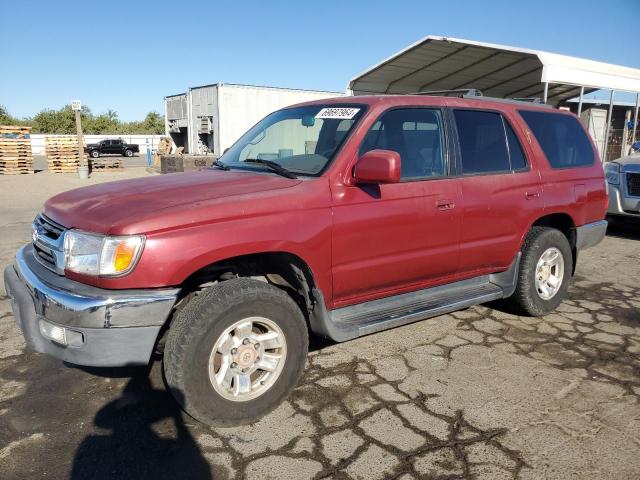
{"x": 115, "y": 327}
{"x": 621, "y": 204}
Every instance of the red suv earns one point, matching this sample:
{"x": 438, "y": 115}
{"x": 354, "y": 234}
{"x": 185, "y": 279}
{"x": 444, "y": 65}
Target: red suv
{"x": 338, "y": 218}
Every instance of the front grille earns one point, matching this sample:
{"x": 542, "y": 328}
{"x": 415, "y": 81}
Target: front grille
{"x": 52, "y": 229}
{"x": 43, "y": 255}
{"x": 633, "y": 184}
{"x": 48, "y": 238}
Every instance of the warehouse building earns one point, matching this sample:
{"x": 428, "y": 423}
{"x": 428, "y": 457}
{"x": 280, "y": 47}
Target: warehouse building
{"x": 208, "y": 119}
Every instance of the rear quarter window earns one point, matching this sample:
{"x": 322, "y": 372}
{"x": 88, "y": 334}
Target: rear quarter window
{"x": 563, "y": 140}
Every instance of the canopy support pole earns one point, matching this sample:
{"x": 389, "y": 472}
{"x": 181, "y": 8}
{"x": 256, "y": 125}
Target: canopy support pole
{"x": 606, "y": 136}
{"x": 546, "y": 92}
{"x": 635, "y": 119}
{"x": 580, "y": 101}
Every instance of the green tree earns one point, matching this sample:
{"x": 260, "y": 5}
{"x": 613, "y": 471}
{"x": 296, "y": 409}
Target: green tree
{"x": 63, "y": 121}
{"x": 153, "y": 123}
{"x": 5, "y": 118}
{"x": 56, "y": 121}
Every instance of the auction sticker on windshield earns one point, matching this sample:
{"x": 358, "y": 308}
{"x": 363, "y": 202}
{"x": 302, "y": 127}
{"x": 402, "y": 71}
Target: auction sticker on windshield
{"x": 338, "y": 112}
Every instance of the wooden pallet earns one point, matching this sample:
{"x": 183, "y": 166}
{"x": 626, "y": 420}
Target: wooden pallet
{"x": 15, "y": 163}
{"x": 15, "y": 172}
{"x": 15, "y": 150}
{"x": 62, "y": 153}
{"x": 105, "y": 164}
{"x": 15, "y": 128}
{"x": 14, "y": 132}
{"x": 63, "y": 163}
{"x": 16, "y": 155}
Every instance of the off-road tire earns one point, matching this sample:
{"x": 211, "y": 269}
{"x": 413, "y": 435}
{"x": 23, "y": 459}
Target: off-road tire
{"x": 194, "y": 332}
{"x": 95, "y": 153}
{"x": 525, "y": 300}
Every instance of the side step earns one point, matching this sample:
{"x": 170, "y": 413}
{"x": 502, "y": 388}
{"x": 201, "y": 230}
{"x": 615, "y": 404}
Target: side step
{"x": 369, "y": 317}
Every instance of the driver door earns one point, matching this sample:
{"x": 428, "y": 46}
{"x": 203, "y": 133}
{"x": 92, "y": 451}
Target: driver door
{"x": 391, "y": 238}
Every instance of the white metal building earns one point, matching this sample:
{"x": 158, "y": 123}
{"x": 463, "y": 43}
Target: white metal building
{"x": 210, "y": 118}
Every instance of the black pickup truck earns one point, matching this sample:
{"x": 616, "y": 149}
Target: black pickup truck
{"x": 112, "y": 147}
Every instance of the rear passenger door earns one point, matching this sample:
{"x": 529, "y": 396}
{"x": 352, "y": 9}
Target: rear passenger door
{"x": 395, "y": 237}
{"x": 500, "y": 190}
{"x": 108, "y": 147}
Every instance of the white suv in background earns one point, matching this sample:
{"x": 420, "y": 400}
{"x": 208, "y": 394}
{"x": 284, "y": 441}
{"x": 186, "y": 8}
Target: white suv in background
{"x": 623, "y": 177}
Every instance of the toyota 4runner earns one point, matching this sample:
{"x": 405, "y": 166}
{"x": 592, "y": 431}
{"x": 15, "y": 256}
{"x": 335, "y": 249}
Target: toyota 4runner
{"x": 338, "y": 218}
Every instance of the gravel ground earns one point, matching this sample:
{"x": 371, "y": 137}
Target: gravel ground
{"x": 476, "y": 394}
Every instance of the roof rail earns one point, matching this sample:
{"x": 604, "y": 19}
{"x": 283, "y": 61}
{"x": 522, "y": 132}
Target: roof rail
{"x": 528, "y": 99}
{"x": 462, "y": 93}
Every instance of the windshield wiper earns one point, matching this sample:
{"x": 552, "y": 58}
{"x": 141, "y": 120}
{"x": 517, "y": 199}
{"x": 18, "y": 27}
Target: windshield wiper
{"x": 274, "y": 166}
{"x": 219, "y": 165}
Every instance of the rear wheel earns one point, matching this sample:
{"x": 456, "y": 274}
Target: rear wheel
{"x": 545, "y": 272}
{"x": 235, "y": 351}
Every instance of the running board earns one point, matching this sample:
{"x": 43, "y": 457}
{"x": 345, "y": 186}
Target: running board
{"x": 369, "y": 317}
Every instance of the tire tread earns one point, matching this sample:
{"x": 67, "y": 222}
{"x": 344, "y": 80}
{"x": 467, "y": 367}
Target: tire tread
{"x": 195, "y": 318}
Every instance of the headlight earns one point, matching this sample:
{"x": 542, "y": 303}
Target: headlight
{"x": 612, "y": 172}
{"x": 93, "y": 254}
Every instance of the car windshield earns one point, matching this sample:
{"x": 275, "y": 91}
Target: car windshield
{"x": 303, "y": 140}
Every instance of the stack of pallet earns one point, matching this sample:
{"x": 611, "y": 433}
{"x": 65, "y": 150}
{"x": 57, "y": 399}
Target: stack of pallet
{"x": 15, "y": 150}
{"x": 62, "y": 153}
{"x": 164, "y": 148}
{"x": 106, "y": 163}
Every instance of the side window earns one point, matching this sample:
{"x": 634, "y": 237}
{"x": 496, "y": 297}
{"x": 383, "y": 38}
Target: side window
{"x": 482, "y": 142}
{"x": 516, "y": 154}
{"x": 561, "y": 137}
{"x": 417, "y": 134}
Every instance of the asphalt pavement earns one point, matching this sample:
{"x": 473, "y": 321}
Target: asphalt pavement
{"x": 480, "y": 393}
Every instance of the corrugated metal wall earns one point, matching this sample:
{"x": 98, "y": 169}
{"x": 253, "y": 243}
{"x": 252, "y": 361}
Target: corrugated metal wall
{"x": 232, "y": 109}
{"x": 204, "y": 105}
{"x": 242, "y": 106}
{"x": 176, "y": 107}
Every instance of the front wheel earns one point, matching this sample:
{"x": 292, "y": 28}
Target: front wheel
{"x": 235, "y": 351}
{"x": 128, "y": 153}
{"x": 95, "y": 153}
{"x": 545, "y": 272}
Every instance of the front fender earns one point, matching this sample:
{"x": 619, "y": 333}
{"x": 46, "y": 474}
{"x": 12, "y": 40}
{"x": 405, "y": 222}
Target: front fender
{"x": 170, "y": 257}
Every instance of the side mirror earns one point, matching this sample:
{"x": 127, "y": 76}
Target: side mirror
{"x": 378, "y": 166}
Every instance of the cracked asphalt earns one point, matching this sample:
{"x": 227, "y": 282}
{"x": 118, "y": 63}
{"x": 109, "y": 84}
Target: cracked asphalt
{"x": 478, "y": 394}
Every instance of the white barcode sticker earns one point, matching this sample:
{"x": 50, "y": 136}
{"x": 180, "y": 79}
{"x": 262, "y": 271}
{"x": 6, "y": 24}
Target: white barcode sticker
{"x": 338, "y": 112}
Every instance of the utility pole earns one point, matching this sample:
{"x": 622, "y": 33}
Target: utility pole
{"x": 83, "y": 169}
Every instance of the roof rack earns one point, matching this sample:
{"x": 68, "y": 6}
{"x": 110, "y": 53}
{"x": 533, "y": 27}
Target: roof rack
{"x": 474, "y": 93}
{"x": 528, "y": 99}
{"x": 462, "y": 93}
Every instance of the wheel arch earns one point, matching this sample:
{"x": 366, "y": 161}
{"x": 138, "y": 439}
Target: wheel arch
{"x": 565, "y": 224}
{"x": 283, "y": 269}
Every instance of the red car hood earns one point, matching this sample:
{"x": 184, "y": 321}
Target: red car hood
{"x": 101, "y": 208}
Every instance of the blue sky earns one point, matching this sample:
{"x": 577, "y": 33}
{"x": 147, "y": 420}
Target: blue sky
{"x": 127, "y": 55}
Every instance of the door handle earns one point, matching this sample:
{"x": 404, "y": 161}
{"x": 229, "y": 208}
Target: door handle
{"x": 531, "y": 195}
{"x": 445, "y": 204}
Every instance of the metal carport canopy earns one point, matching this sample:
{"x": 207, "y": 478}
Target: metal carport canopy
{"x": 442, "y": 63}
